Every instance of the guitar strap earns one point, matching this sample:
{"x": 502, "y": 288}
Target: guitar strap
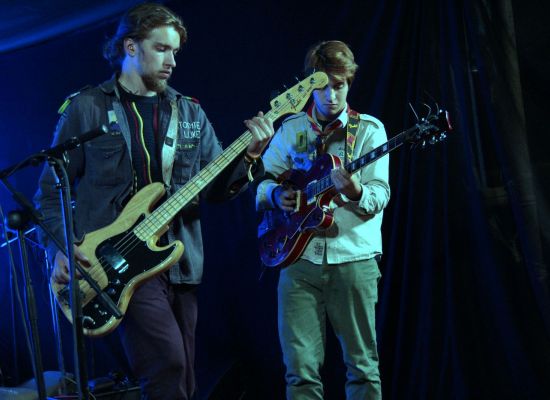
{"x": 351, "y": 134}
{"x": 353, "y": 124}
{"x": 170, "y": 144}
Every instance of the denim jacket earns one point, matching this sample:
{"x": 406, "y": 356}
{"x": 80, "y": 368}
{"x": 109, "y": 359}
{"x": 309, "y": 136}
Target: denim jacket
{"x": 101, "y": 172}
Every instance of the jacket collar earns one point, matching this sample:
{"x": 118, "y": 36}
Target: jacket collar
{"x": 340, "y": 121}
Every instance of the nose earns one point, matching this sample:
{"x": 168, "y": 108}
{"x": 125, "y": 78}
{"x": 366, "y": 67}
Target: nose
{"x": 170, "y": 59}
{"x": 330, "y": 94}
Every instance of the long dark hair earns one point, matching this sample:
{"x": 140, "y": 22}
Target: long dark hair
{"x": 136, "y": 24}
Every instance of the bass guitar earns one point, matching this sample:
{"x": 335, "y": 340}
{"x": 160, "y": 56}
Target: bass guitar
{"x": 284, "y": 235}
{"x": 125, "y": 253}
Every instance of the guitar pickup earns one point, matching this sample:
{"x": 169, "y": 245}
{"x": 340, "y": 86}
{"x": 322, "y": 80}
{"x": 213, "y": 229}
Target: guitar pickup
{"x": 112, "y": 257}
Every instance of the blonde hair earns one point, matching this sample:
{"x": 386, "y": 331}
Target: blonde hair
{"x": 333, "y": 57}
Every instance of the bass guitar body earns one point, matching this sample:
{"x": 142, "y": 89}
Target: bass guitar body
{"x": 122, "y": 256}
{"x": 283, "y": 235}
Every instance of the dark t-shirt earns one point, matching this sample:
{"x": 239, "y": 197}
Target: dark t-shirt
{"x": 143, "y": 120}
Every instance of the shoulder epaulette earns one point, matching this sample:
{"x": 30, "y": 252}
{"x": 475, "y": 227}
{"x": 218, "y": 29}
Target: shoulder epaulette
{"x": 294, "y": 116}
{"x": 70, "y": 97}
{"x": 371, "y": 120}
{"x": 191, "y": 99}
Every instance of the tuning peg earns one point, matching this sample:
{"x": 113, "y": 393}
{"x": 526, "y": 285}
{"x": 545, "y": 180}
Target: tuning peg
{"x": 432, "y": 99}
{"x": 308, "y": 72}
{"x": 414, "y": 112}
{"x": 274, "y": 93}
{"x": 300, "y": 87}
{"x": 429, "y": 109}
{"x": 433, "y": 140}
{"x": 442, "y": 136}
{"x": 286, "y": 90}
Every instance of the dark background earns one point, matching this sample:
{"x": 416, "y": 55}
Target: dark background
{"x": 463, "y": 310}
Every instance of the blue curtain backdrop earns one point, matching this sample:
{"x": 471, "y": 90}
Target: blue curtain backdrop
{"x": 464, "y": 307}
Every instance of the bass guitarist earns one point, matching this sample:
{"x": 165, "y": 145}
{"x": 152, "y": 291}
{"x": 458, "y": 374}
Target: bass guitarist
{"x": 335, "y": 278}
{"x": 156, "y": 135}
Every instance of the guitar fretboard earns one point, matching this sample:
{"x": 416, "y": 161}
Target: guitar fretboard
{"x": 325, "y": 183}
{"x": 175, "y": 203}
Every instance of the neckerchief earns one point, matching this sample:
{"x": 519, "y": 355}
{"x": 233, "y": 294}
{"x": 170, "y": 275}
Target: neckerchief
{"x": 322, "y": 136}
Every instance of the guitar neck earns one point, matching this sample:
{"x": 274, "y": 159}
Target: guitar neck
{"x": 376, "y": 153}
{"x": 162, "y": 215}
{"x": 433, "y": 127}
{"x": 325, "y": 183}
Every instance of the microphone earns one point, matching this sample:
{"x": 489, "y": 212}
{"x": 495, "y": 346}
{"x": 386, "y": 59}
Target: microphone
{"x": 56, "y": 151}
{"x": 75, "y": 141}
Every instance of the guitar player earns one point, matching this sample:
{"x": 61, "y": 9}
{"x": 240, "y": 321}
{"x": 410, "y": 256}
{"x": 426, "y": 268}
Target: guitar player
{"x": 336, "y": 276}
{"x": 156, "y": 135}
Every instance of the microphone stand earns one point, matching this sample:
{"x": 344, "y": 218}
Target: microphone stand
{"x": 18, "y": 220}
{"x": 56, "y": 328}
{"x": 81, "y": 372}
{"x": 54, "y": 156}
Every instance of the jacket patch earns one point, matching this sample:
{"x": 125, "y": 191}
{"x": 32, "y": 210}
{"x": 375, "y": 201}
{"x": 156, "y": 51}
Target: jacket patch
{"x": 70, "y": 98}
{"x": 190, "y": 129}
{"x": 301, "y": 141}
{"x": 186, "y": 146}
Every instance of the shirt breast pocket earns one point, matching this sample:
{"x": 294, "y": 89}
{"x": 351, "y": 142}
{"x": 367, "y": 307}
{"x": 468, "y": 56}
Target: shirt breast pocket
{"x": 187, "y": 152}
{"x": 105, "y": 162}
{"x": 186, "y": 160}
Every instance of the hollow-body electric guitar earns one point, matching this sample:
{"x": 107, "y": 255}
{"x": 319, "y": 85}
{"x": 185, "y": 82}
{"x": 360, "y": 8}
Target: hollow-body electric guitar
{"x": 125, "y": 253}
{"x": 284, "y": 235}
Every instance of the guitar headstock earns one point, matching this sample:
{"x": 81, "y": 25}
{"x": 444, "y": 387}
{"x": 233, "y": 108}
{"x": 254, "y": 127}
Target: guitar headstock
{"x": 294, "y": 99}
{"x": 431, "y": 129}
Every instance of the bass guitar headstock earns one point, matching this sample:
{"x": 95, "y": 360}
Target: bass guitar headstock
{"x": 294, "y": 99}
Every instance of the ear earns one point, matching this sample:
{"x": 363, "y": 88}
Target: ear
{"x": 130, "y": 47}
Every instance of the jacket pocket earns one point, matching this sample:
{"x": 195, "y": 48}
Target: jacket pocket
{"x": 105, "y": 163}
{"x": 186, "y": 160}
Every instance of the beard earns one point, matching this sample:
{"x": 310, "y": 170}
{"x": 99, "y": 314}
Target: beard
{"x": 154, "y": 84}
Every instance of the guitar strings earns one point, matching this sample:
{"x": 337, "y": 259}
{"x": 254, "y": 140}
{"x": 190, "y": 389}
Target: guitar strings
{"x": 130, "y": 241}
{"x": 324, "y": 182}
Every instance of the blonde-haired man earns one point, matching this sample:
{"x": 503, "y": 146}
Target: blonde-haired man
{"x": 336, "y": 277}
